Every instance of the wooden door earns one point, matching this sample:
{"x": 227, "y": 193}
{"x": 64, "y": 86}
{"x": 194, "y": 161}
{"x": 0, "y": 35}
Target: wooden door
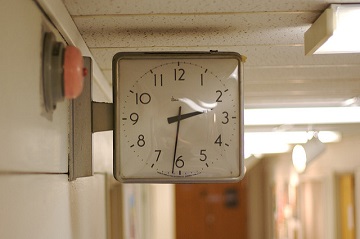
{"x": 346, "y": 202}
{"x": 211, "y": 211}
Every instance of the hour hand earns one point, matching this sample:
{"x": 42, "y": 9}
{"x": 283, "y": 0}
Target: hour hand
{"x": 184, "y": 116}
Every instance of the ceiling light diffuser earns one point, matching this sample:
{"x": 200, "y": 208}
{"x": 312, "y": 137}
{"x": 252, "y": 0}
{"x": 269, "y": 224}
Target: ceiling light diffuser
{"x": 302, "y": 116}
{"x": 259, "y": 143}
{"x": 302, "y": 155}
{"x": 335, "y": 31}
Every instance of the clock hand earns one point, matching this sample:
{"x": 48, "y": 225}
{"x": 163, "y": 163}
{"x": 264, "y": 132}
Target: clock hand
{"x": 184, "y": 116}
{"x": 177, "y": 136}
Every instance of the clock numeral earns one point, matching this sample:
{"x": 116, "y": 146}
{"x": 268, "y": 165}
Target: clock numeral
{"x": 202, "y": 153}
{"x": 220, "y": 95}
{"x": 156, "y": 80}
{"x": 218, "y": 140}
{"x": 202, "y": 80}
{"x": 181, "y": 74}
{"x": 158, "y": 156}
{"x": 141, "y": 140}
{"x": 179, "y": 163}
{"x": 226, "y": 115}
{"x": 143, "y": 98}
{"x": 134, "y": 117}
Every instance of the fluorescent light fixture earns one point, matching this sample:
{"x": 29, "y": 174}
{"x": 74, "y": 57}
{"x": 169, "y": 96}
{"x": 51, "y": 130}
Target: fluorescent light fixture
{"x": 299, "y": 158}
{"x": 302, "y": 155}
{"x": 354, "y": 101}
{"x": 279, "y": 142}
{"x": 335, "y": 31}
{"x": 292, "y": 137}
{"x": 302, "y": 116}
{"x": 265, "y": 147}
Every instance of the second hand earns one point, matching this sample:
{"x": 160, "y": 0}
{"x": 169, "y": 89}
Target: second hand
{"x": 177, "y": 136}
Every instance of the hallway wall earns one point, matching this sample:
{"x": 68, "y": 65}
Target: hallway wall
{"x": 36, "y": 198}
{"x": 279, "y": 180}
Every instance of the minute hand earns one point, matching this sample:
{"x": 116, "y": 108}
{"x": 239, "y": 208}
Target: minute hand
{"x": 183, "y": 116}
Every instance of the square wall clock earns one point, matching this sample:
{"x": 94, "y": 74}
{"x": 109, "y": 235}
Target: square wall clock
{"x": 178, "y": 117}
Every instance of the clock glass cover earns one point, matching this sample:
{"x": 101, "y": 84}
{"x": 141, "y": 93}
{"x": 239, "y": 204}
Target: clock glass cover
{"x": 178, "y": 117}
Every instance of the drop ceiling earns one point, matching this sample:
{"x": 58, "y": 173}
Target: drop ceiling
{"x": 269, "y": 33}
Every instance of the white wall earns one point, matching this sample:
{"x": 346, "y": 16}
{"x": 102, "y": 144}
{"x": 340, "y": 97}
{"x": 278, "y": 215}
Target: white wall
{"x": 256, "y": 206}
{"x": 163, "y": 213}
{"x": 36, "y": 198}
{"x": 48, "y": 206}
{"x": 33, "y": 143}
{"x": 342, "y": 157}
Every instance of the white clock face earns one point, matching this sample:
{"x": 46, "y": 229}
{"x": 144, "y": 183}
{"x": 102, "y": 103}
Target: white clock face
{"x": 178, "y": 119}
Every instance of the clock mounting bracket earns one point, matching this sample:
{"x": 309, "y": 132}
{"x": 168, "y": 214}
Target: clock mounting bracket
{"x": 86, "y": 117}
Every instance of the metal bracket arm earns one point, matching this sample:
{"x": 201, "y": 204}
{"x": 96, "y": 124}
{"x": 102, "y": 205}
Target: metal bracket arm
{"x": 86, "y": 118}
{"x": 102, "y": 116}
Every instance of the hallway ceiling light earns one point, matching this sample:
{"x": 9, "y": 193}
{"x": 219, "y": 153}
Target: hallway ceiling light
{"x": 262, "y": 147}
{"x": 292, "y": 137}
{"x": 301, "y": 116}
{"x": 279, "y": 142}
{"x": 335, "y": 31}
{"x": 354, "y": 101}
{"x": 302, "y": 155}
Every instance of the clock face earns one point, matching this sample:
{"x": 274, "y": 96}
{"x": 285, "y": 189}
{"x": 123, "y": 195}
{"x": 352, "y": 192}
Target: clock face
{"x": 179, "y": 117}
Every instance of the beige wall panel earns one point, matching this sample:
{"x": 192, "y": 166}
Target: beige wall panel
{"x": 31, "y": 140}
{"x": 48, "y": 206}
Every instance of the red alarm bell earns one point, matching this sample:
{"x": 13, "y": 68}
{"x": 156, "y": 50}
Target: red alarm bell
{"x": 63, "y": 72}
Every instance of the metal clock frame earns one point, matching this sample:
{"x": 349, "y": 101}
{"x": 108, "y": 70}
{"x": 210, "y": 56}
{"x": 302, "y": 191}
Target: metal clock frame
{"x": 165, "y": 56}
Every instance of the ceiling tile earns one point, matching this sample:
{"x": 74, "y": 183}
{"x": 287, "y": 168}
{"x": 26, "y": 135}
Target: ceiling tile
{"x": 289, "y": 56}
{"x": 96, "y": 7}
{"x": 304, "y": 73}
{"x": 195, "y": 30}
{"x": 269, "y": 33}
